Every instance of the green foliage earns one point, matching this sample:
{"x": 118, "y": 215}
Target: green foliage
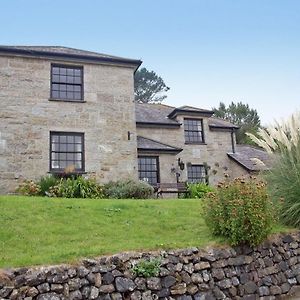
{"x": 72, "y": 187}
{"x": 199, "y": 190}
{"x": 284, "y": 184}
{"x": 46, "y": 183}
{"x": 29, "y": 188}
{"x": 76, "y": 187}
{"x": 147, "y": 268}
{"x": 241, "y": 115}
{"x": 241, "y": 211}
{"x": 127, "y": 189}
{"x": 149, "y": 87}
{"x": 282, "y": 142}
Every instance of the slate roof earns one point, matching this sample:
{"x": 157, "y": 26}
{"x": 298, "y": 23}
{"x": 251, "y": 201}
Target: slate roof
{"x": 147, "y": 113}
{"x": 64, "y": 52}
{"x": 154, "y": 114}
{"x": 220, "y": 123}
{"x": 145, "y": 144}
{"x": 251, "y": 158}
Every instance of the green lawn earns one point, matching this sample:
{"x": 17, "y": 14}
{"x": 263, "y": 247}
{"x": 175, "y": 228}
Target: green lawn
{"x": 37, "y": 230}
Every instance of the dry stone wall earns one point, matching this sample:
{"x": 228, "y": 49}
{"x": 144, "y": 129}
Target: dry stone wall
{"x": 269, "y": 271}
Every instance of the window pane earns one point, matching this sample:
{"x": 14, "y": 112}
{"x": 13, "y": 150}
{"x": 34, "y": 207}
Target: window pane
{"x": 70, "y": 139}
{"x": 77, "y": 80}
{"x": 63, "y": 95}
{"x": 62, "y": 156}
{"x": 55, "y": 70}
{"x": 70, "y": 72}
{"x": 55, "y": 78}
{"x": 63, "y": 71}
{"x": 78, "y": 139}
{"x": 77, "y": 72}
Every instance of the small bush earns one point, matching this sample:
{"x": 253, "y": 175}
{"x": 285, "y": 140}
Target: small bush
{"x": 29, "y": 188}
{"x": 147, "y": 268}
{"x": 199, "y": 190}
{"x": 240, "y": 211}
{"x": 128, "y": 189}
{"x": 76, "y": 187}
{"x": 46, "y": 183}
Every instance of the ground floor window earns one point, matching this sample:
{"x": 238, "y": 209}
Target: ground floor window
{"x": 196, "y": 173}
{"x": 148, "y": 167}
{"x": 66, "y": 151}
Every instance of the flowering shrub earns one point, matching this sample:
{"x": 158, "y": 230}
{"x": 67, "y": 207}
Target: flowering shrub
{"x": 29, "y": 188}
{"x": 72, "y": 187}
{"x": 239, "y": 210}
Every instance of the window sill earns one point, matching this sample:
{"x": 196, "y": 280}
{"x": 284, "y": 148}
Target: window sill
{"x": 195, "y": 143}
{"x": 66, "y": 100}
{"x": 62, "y": 173}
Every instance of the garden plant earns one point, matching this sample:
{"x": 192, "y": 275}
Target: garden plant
{"x": 282, "y": 142}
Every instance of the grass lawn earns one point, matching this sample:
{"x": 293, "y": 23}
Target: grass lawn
{"x": 37, "y": 230}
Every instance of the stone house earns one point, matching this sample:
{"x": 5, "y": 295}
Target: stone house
{"x": 64, "y": 108}
{"x": 189, "y": 144}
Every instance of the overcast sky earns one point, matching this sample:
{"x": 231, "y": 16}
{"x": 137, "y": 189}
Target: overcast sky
{"x": 206, "y": 51}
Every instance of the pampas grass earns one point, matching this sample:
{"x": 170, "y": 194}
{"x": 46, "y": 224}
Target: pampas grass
{"x": 282, "y": 141}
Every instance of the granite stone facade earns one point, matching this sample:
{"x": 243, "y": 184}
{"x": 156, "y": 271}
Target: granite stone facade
{"x": 267, "y": 272}
{"x": 27, "y": 117}
{"x": 213, "y": 152}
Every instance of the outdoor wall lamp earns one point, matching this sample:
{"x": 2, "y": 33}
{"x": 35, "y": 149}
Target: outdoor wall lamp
{"x": 180, "y": 164}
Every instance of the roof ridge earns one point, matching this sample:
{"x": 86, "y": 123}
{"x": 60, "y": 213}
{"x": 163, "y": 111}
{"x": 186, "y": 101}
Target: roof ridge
{"x": 161, "y": 104}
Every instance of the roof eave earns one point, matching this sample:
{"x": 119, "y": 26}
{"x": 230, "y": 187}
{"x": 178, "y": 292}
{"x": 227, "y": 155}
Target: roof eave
{"x": 69, "y": 57}
{"x": 155, "y": 150}
{"x": 157, "y": 124}
{"x": 177, "y": 112}
{"x": 229, "y": 128}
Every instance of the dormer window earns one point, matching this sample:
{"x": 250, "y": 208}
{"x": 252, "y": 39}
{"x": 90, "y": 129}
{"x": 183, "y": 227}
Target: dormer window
{"x": 193, "y": 131}
{"x": 66, "y": 83}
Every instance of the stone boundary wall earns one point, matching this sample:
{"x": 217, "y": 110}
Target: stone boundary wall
{"x": 264, "y": 272}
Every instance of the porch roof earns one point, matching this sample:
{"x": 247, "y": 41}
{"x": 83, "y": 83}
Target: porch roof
{"x": 149, "y": 145}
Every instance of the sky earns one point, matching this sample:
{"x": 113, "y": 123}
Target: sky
{"x": 206, "y": 51}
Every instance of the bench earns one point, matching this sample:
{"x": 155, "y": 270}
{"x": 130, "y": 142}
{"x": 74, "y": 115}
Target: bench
{"x": 173, "y": 188}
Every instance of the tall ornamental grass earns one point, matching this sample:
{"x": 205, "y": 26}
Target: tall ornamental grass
{"x": 282, "y": 142}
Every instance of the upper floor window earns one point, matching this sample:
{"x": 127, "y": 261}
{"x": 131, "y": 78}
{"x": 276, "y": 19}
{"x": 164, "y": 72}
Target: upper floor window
{"x": 193, "y": 131}
{"x": 66, "y": 151}
{"x": 196, "y": 173}
{"x": 66, "y": 83}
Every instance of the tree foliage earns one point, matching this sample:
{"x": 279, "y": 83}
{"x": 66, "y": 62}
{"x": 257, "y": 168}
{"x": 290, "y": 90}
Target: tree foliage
{"x": 149, "y": 87}
{"x": 241, "y": 115}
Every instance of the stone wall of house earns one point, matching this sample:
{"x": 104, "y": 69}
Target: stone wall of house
{"x": 264, "y": 272}
{"x": 27, "y": 116}
{"x": 213, "y": 152}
